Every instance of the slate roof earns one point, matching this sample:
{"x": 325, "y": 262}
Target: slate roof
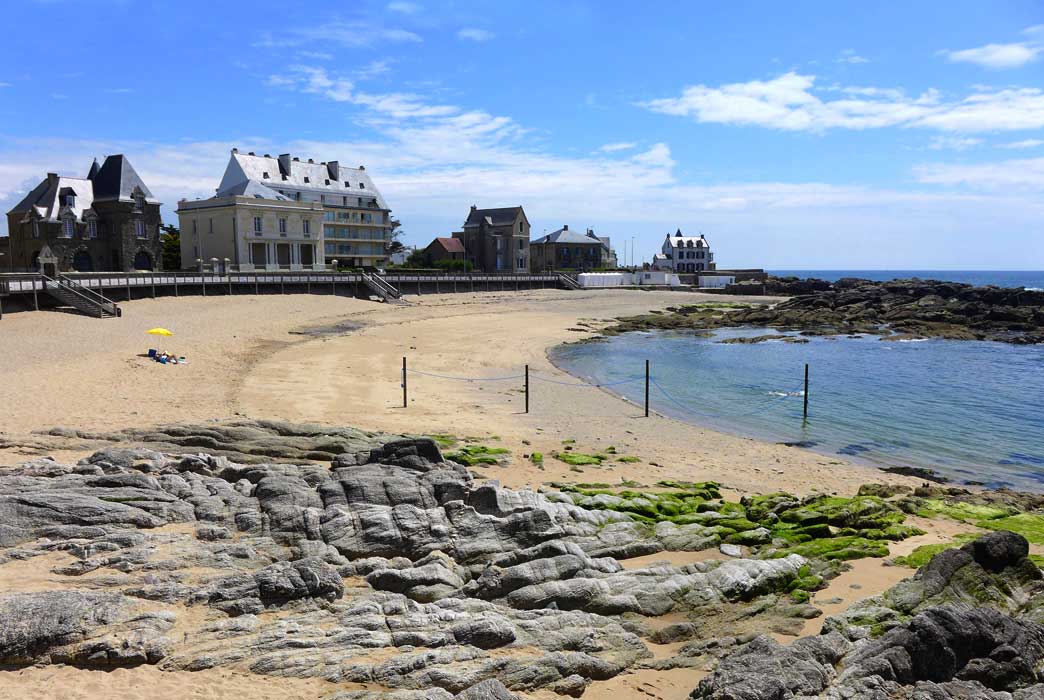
{"x": 320, "y": 178}
{"x": 493, "y": 217}
{"x": 679, "y": 241}
{"x": 450, "y": 245}
{"x": 252, "y": 188}
{"x": 564, "y": 235}
{"x": 44, "y": 198}
{"x": 117, "y": 179}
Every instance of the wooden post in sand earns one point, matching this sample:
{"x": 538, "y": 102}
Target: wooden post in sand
{"x": 404, "y": 382}
{"x": 805, "y": 416}
{"x": 527, "y": 388}
{"x": 646, "y": 388}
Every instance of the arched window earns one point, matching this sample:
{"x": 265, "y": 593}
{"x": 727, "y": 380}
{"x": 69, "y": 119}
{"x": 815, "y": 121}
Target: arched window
{"x": 82, "y": 261}
{"x": 68, "y": 227}
{"x": 142, "y": 261}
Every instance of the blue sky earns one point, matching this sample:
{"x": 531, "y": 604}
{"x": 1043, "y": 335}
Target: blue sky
{"x": 793, "y": 135}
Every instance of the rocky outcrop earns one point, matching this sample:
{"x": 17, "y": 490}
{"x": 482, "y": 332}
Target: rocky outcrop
{"x": 911, "y": 308}
{"x": 968, "y": 625}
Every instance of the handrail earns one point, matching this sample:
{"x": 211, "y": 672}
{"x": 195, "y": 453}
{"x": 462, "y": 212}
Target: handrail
{"x": 87, "y": 291}
{"x": 103, "y": 305}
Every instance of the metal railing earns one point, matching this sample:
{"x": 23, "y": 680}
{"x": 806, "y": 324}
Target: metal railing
{"x": 82, "y": 298}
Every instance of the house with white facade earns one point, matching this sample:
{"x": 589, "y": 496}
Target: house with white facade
{"x": 681, "y": 254}
{"x": 356, "y": 219}
{"x": 252, "y": 227}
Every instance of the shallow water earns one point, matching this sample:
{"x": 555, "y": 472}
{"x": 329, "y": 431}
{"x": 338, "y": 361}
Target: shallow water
{"x": 969, "y": 410}
{"x": 1028, "y": 279}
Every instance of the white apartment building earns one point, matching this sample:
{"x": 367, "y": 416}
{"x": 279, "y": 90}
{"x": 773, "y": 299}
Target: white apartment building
{"x": 356, "y": 219}
{"x": 252, "y": 227}
{"x": 684, "y": 254}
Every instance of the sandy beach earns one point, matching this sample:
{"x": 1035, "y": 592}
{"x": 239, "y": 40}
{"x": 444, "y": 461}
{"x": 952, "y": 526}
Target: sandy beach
{"x": 248, "y": 358}
{"x": 338, "y": 361}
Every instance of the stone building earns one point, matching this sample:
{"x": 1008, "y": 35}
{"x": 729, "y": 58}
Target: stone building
{"x": 107, "y": 221}
{"x": 570, "y": 250}
{"x": 253, "y": 227}
{"x": 684, "y": 254}
{"x": 356, "y": 219}
{"x": 496, "y": 240}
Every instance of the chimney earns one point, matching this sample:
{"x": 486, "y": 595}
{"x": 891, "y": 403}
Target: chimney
{"x": 235, "y": 151}
{"x": 311, "y": 161}
{"x": 296, "y": 159}
{"x": 251, "y": 153}
{"x": 284, "y": 163}
{"x": 334, "y": 168}
{"x": 473, "y": 207}
{"x": 267, "y": 156}
{"x": 52, "y": 177}
{"x": 362, "y": 167}
{"x": 565, "y": 227}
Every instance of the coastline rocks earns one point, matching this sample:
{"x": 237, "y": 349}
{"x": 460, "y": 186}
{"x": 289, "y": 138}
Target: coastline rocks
{"x": 967, "y": 625}
{"x": 910, "y": 308}
{"x": 90, "y": 630}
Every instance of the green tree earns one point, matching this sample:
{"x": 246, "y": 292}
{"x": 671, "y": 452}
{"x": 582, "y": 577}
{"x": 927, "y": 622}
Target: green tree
{"x": 170, "y": 240}
{"x": 394, "y": 244}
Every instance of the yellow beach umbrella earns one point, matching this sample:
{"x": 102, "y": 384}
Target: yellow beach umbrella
{"x": 158, "y": 331}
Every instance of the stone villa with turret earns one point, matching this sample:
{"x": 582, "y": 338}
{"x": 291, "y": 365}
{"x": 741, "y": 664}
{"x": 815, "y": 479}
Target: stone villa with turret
{"x": 108, "y": 220}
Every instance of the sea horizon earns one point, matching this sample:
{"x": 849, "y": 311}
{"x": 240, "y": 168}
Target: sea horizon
{"x": 1027, "y": 279}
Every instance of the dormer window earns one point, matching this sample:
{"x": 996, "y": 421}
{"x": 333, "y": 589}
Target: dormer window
{"x": 264, "y": 175}
{"x": 139, "y": 201}
{"x": 68, "y": 227}
{"x": 307, "y": 179}
{"x": 362, "y": 186}
{"x": 347, "y": 184}
{"x": 70, "y": 200}
{"x": 92, "y": 228}
{"x": 139, "y": 228}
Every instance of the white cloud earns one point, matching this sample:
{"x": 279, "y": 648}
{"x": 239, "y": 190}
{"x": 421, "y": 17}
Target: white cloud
{"x": 5, "y": 85}
{"x": 405, "y": 8}
{"x": 614, "y": 147}
{"x": 119, "y": 91}
{"x": 850, "y": 56}
{"x": 316, "y": 55}
{"x": 791, "y": 102}
{"x": 1025, "y": 175}
{"x": 353, "y": 34}
{"x": 373, "y": 69}
{"x": 955, "y": 143}
{"x": 997, "y": 56}
{"x": 1027, "y": 143}
{"x": 475, "y": 34}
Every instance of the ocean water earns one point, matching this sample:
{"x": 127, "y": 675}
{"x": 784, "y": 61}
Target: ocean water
{"x": 969, "y": 410}
{"x": 1032, "y": 279}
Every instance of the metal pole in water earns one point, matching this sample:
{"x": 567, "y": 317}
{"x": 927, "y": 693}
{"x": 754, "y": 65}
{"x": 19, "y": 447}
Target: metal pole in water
{"x": 527, "y": 388}
{"x": 404, "y": 382}
{"x": 646, "y": 388}
{"x": 805, "y": 417}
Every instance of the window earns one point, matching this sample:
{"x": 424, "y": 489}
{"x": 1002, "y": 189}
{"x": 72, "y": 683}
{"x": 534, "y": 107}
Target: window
{"x": 70, "y": 199}
{"x": 68, "y": 227}
{"x": 521, "y": 244}
{"x": 195, "y": 229}
{"x": 322, "y": 199}
{"x": 257, "y": 225}
{"x": 307, "y": 179}
{"x": 347, "y": 184}
{"x": 521, "y": 263}
{"x": 265, "y": 175}
{"x": 362, "y": 186}
{"x": 139, "y": 228}
{"x": 344, "y": 200}
{"x": 306, "y": 227}
{"x": 92, "y": 229}
{"x": 36, "y": 228}
{"x": 282, "y": 226}
{"x": 210, "y": 225}
{"x": 520, "y": 227}
{"x": 139, "y": 201}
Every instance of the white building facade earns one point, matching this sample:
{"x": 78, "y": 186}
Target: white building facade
{"x": 252, "y": 228}
{"x": 356, "y": 220}
{"x": 683, "y": 254}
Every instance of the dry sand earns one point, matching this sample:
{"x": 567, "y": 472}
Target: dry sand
{"x": 67, "y": 370}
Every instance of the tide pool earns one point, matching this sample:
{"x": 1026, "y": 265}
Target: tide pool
{"x": 969, "y": 410}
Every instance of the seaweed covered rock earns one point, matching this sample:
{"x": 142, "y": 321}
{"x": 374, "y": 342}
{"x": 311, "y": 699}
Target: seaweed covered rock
{"x": 966, "y": 626}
